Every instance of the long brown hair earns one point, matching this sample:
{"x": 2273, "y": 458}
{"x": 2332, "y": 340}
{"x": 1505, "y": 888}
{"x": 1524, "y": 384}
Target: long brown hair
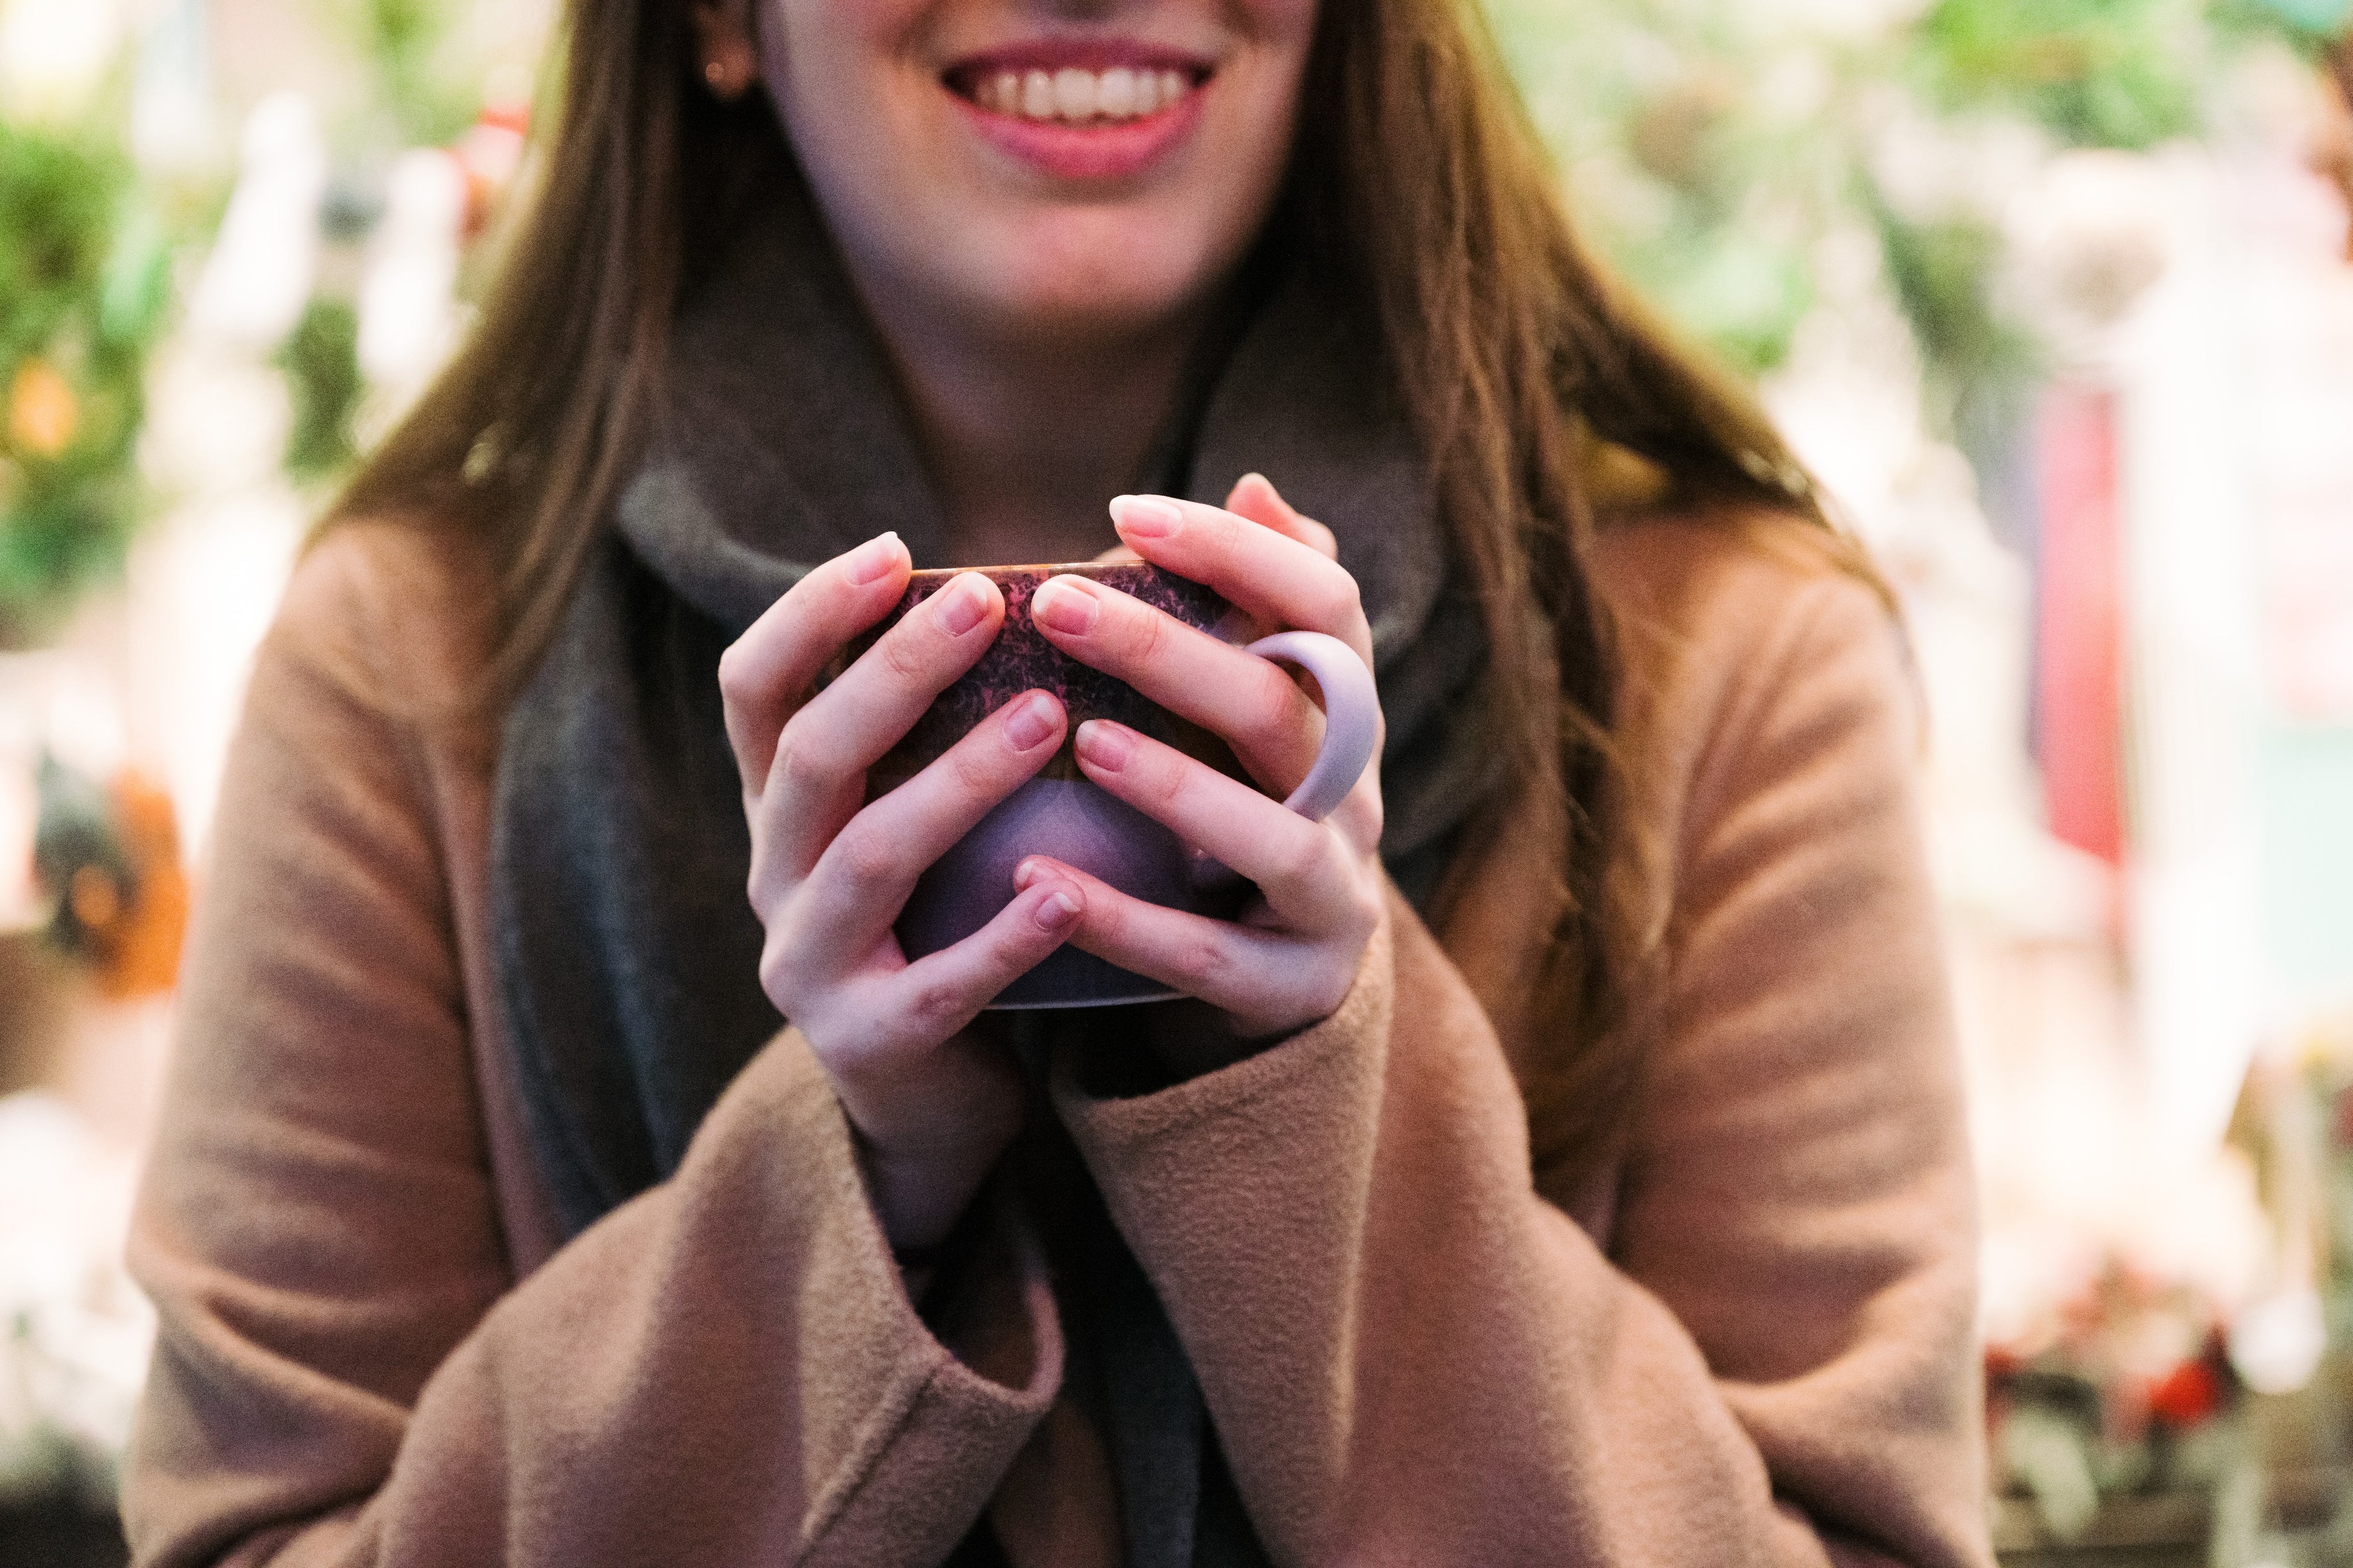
{"x": 1420, "y": 195}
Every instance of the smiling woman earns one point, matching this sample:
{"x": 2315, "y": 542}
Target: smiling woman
{"x": 1551, "y": 1154}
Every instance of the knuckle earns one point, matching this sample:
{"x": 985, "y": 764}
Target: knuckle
{"x": 1147, "y": 633}
{"x": 868, "y": 858}
{"x": 1340, "y": 604}
{"x": 1163, "y": 780}
{"x": 755, "y": 881}
{"x": 1272, "y": 713}
{"x": 1205, "y": 961}
{"x": 1299, "y": 858}
{"x": 776, "y": 974}
{"x": 799, "y": 764}
{"x": 973, "y": 770}
{"x": 735, "y": 683}
{"x": 1109, "y": 920}
{"x": 1013, "y": 951}
{"x": 901, "y": 657}
{"x": 933, "y": 1007}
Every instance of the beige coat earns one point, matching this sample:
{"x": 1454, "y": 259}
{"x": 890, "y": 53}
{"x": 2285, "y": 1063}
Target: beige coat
{"x": 1753, "y": 1344}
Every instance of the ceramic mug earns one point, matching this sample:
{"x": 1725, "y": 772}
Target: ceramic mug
{"x": 1060, "y": 813}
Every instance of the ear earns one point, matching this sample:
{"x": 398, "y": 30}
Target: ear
{"x": 729, "y": 56}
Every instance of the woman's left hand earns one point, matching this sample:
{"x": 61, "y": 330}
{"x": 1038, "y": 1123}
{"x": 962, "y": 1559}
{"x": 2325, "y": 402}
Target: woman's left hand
{"x": 1294, "y": 952}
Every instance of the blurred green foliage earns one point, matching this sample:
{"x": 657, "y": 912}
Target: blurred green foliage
{"x": 1717, "y": 152}
{"x": 2093, "y": 73}
{"x": 406, "y": 41}
{"x": 320, "y": 359}
{"x": 85, "y": 274}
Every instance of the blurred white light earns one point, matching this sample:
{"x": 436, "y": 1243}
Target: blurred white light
{"x": 2276, "y": 1344}
{"x": 407, "y": 302}
{"x": 216, "y": 422}
{"x": 172, "y": 118}
{"x": 53, "y": 52}
{"x": 257, "y": 278}
{"x": 1844, "y": 18}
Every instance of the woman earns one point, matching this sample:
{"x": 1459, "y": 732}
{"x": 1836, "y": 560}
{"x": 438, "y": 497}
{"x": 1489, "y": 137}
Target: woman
{"x": 1559, "y": 1163}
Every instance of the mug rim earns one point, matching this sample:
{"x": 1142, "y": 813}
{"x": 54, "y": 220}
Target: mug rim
{"x": 1048, "y": 567}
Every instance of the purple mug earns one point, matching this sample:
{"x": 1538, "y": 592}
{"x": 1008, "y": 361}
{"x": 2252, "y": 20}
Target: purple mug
{"x": 1060, "y": 813}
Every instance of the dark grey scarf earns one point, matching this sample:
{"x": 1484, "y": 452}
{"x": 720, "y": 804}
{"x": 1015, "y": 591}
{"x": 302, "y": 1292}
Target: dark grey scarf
{"x": 627, "y": 957}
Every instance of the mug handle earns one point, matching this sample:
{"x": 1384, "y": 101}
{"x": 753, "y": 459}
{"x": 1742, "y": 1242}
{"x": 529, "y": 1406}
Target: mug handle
{"x": 1352, "y": 716}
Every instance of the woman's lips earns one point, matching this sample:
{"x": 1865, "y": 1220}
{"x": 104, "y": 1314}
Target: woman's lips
{"x": 1081, "y": 109}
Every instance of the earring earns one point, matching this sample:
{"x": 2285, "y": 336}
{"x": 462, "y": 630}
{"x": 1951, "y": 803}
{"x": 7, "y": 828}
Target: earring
{"x": 726, "y": 79}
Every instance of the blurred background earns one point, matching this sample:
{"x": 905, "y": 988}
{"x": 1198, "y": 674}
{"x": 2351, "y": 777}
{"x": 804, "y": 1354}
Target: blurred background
{"x": 2055, "y": 295}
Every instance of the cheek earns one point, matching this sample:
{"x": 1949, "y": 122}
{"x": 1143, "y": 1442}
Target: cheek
{"x": 826, "y": 63}
{"x": 1290, "y": 21}
{"x": 877, "y": 22}
{"x": 833, "y": 68}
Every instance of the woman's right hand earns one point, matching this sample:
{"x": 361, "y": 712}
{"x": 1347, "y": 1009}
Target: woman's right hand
{"x": 933, "y": 1104}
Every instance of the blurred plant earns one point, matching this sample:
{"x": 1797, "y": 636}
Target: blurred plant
{"x": 423, "y": 156}
{"x": 2125, "y": 1388}
{"x": 1743, "y": 163}
{"x": 85, "y": 260}
{"x": 2093, "y": 73}
{"x": 419, "y": 96}
{"x": 320, "y": 359}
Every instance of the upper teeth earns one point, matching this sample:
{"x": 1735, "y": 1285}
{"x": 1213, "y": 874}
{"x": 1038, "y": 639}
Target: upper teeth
{"x": 1078, "y": 95}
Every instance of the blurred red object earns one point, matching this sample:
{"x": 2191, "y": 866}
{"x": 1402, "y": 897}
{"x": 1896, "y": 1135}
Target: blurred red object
{"x": 2185, "y": 1395}
{"x": 109, "y": 855}
{"x": 489, "y": 153}
{"x": 2079, "y": 634}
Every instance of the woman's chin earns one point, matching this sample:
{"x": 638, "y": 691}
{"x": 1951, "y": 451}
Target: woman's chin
{"x": 1086, "y": 273}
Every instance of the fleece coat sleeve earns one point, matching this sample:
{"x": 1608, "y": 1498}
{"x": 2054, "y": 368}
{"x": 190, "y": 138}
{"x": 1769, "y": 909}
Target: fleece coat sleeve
{"x": 1413, "y": 1357}
{"x": 726, "y": 1369}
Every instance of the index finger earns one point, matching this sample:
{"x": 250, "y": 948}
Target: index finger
{"x": 771, "y": 670}
{"x": 1277, "y": 580}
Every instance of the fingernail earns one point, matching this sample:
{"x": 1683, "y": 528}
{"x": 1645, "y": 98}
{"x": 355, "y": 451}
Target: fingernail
{"x": 1025, "y": 875}
{"x": 872, "y": 559}
{"x": 1147, "y": 516}
{"x": 1105, "y": 744}
{"x": 1057, "y": 909}
{"x": 1065, "y": 604}
{"x": 1032, "y": 722}
{"x": 964, "y": 602}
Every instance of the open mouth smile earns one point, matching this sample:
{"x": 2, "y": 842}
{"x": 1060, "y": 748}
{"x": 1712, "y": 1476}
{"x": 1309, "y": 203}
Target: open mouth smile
{"x": 1083, "y": 110}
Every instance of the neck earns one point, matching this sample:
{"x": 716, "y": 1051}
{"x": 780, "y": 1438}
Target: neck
{"x": 1026, "y": 440}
